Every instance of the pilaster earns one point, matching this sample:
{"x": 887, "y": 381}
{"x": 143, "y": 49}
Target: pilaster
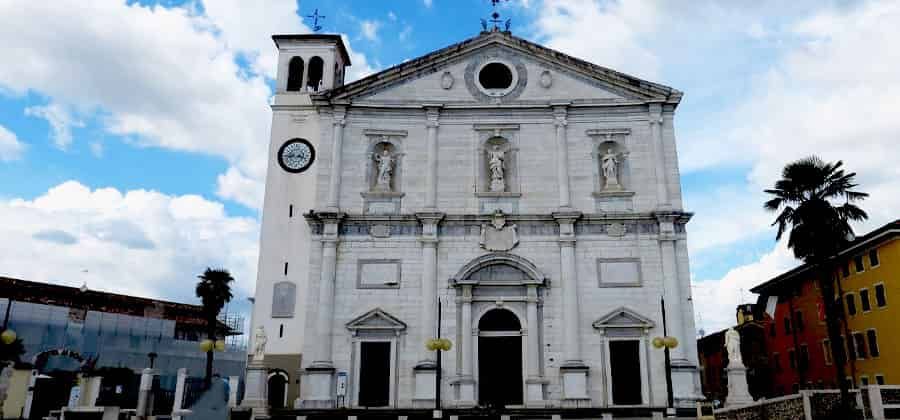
{"x": 662, "y": 183}
{"x": 560, "y": 110}
{"x": 574, "y": 371}
{"x": 334, "y": 184}
{"x": 432, "y": 115}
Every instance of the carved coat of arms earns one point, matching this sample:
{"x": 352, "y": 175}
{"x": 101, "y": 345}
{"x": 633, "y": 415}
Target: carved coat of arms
{"x": 498, "y": 235}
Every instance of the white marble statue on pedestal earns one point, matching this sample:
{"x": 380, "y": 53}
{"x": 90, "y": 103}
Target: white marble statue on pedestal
{"x": 609, "y": 162}
{"x": 496, "y": 156}
{"x": 738, "y": 392}
{"x": 259, "y": 344}
{"x": 384, "y": 170}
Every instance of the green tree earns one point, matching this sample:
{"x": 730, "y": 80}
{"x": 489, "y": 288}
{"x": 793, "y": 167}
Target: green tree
{"x": 214, "y": 290}
{"x": 814, "y": 201}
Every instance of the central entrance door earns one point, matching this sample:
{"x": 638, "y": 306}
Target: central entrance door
{"x": 499, "y": 359}
{"x": 375, "y": 374}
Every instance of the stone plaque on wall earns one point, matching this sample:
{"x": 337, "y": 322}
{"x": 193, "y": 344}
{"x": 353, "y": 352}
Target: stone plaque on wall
{"x": 284, "y": 295}
{"x": 378, "y": 274}
{"x": 619, "y": 272}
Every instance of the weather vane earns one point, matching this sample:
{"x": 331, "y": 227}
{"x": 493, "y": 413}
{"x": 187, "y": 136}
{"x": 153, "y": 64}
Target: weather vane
{"x": 495, "y": 19}
{"x": 315, "y": 17}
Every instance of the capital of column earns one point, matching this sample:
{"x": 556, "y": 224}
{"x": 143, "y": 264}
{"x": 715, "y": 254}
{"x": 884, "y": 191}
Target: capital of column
{"x": 566, "y": 220}
{"x": 655, "y": 110}
{"x": 340, "y": 115}
{"x": 667, "y": 226}
{"x": 432, "y": 112}
{"x": 330, "y": 221}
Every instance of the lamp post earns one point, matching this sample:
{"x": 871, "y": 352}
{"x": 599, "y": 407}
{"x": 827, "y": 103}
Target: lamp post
{"x": 8, "y": 336}
{"x": 666, "y": 343}
{"x": 438, "y": 345}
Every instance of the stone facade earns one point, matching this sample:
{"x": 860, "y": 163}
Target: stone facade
{"x": 371, "y": 264}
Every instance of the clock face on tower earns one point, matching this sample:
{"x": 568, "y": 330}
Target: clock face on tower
{"x": 296, "y": 155}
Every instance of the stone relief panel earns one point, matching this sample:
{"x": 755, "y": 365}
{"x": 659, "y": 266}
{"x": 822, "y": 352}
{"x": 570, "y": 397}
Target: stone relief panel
{"x": 378, "y": 274}
{"x": 284, "y": 297}
{"x": 619, "y": 272}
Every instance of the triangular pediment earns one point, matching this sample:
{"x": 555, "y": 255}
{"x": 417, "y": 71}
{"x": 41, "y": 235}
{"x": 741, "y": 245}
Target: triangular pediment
{"x": 623, "y": 318}
{"x": 376, "y": 319}
{"x": 543, "y": 75}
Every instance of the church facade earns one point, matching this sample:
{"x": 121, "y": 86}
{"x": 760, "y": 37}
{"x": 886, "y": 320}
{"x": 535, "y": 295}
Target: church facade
{"x": 528, "y": 200}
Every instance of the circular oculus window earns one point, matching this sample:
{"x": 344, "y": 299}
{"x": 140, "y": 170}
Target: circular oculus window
{"x": 496, "y": 78}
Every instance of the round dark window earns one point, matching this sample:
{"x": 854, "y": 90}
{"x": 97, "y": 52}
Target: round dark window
{"x": 495, "y": 76}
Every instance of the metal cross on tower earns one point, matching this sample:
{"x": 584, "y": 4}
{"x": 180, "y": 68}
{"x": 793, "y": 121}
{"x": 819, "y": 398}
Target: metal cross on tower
{"x": 315, "y": 17}
{"x": 495, "y": 19}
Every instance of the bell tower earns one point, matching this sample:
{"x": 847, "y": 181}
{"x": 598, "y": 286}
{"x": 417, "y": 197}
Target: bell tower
{"x": 310, "y": 63}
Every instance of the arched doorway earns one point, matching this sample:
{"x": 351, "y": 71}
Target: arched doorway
{"x": 277, "y": 389}
{"x": 499, "y": 359}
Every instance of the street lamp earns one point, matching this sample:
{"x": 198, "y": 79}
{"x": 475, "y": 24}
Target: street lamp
{"x": 667, "y": 343}
{"x": 8, "y": 336}
{"x": 438, "y": 345}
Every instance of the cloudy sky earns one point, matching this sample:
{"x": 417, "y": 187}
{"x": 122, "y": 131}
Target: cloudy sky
{"x": 133, "y": 133}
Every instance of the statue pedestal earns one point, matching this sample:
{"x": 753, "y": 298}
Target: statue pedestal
{"x": 320, "y": 386}
{"x": 574, "y": 381}
{"x": 424, "y": 376}
{"x": 255, "y": 386}
{"x": 738, "y": 393}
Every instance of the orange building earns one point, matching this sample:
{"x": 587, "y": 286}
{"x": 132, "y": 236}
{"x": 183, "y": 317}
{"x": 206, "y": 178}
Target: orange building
{"x": 798, "y": 343}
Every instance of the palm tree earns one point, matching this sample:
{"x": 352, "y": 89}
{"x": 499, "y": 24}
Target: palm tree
{"x": 815, "y": 204}
{"x": 214, "y": 290}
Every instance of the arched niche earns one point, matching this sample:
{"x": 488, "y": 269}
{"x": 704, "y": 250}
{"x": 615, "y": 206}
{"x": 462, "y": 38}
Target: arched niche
{"x": 277, "y": 388}
{"x": 376, "y": 198}
{"x": 295, "y": 74}
{"x": 316, "y": 72}
{"x": 499, "y": 319}
{"x": 622, "y": 180}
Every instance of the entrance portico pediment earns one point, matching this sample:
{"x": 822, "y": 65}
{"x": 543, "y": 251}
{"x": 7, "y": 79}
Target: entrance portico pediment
{"x": 623, "y": 318}
{"x": 471, "y": 273}
{"x": 376, "y": 320}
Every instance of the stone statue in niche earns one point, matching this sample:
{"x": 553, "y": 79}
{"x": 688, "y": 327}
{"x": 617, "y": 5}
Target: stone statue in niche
{"x": 609, "y": 164}
{"x": 259, "y": 344}
{"x": 733, "y": 347}
{"x": 384, "y": 170}
{"x": 496, "y": 157}
{"x": 498, "y": 235}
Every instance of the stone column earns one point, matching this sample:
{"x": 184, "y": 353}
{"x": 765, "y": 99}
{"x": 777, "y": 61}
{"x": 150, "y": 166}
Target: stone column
{"x": 425, "y": 369}
{"x": 181, "y": 383}
{"x": 432, "y": 112}
{"x": 656, "y": 138}
{"x": 145, "y": 394}
{"x": 684, "y": 372}
{"x": 562, "y": 155}
{"x": 466, "y": 335}
{"x": 337, "y": 139}
{"x": 534, "y": 383}
{"x": 573, "y": 369}
{"x": 321, "y": 371}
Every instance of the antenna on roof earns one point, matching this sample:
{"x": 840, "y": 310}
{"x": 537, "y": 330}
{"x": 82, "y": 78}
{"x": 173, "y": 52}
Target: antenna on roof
{"x": 315, "y": 17}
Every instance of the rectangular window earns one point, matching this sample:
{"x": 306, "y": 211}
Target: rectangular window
{"x": 858, "y": 262}
{"x": 873, "y": 258}
{"x": 864, "y": 300}
{"x": 873, "y": 343}
{"x": 859, "y": 340}
{"x": 826, "y": 351}
{"x": 803, "y": 362}
{"x": 798, "y": 320}
{"x": 879, "y": 379}
{"x": 863, "y": 381}
{"x": 787, "y": 325}
{"x": 792, "y": 359}
{"x": 776, "y": 357}
{"x": 851, "y": 304}
{"x": 880, "y": 297}
{"x": 849, "y": 348}
{"x": 845, "y": 269}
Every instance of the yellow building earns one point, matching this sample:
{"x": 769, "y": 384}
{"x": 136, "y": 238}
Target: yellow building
{"x": 870, "y": 290}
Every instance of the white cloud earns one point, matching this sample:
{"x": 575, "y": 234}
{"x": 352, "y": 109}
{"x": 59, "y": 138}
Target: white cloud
{"x": 180, "y": 89}
{"x": 715, "y": 300}
{"x": 136, "y": 242}
{"x": 234, "y": 185}
{"x": 10, "y": 146}
{"x": 60, "y": 119}
{"x": 369, "y": 29}
{"x": 428, "y": 3}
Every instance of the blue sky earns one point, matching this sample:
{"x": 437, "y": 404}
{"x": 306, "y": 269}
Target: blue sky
{"x": 133, "y": 134}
